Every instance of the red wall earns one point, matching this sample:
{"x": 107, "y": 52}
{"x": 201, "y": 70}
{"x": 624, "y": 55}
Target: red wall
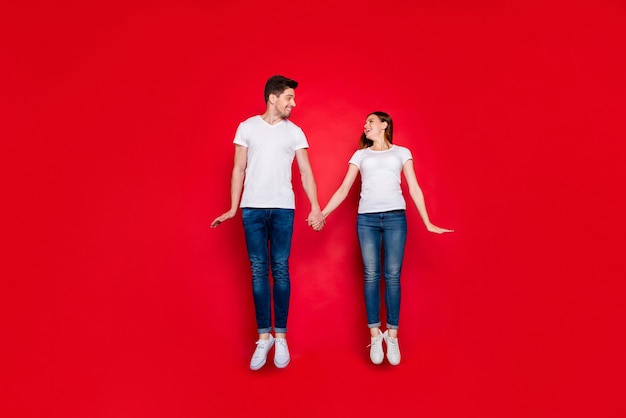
{"x": 117, "y": 126}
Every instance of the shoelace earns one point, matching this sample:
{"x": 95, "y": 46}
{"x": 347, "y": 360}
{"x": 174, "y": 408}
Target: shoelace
{"x": 392, "y": 345}
{"x": 281, "y": 345}
{"x": 261, "y": 346}
{"x": 379, "y": 339}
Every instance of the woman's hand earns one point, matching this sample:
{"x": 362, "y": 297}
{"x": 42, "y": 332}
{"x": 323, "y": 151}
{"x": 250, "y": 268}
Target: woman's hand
{"x": 437, "y": 230}
{"x": 316, "y": 221}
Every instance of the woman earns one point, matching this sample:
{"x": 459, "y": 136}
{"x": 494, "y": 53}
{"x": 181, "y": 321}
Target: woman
{"x": 381, "y": 224}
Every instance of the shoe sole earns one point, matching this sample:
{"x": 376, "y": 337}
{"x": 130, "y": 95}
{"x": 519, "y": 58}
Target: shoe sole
{"x": 282, "y": 366}
{"x": 392, "y": 363}
{"x": 258, "y": 367}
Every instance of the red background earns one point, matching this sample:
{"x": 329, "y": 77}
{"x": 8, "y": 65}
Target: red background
{"x": 117, "y": 125}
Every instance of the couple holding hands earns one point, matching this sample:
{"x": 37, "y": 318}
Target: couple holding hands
{"x": 265, "y": 147}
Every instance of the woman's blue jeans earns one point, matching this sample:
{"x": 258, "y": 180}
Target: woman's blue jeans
{"x": 384, "y": 231}
{"x": 268, "y": 239}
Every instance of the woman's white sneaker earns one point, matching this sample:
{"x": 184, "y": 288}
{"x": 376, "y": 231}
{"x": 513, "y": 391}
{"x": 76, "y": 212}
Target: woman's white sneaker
{"x": 376, "y": 349}
{"x": 393, "y": 349}
{"x": 281, "y": 353}
{"x": 260, "y": 354}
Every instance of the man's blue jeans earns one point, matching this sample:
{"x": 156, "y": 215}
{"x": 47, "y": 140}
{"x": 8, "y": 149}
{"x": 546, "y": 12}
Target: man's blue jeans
{"x": 268, "y": 239}
{"x": 386, "y": 231}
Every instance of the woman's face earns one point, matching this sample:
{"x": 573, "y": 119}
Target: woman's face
{"x": 374, "y": 127}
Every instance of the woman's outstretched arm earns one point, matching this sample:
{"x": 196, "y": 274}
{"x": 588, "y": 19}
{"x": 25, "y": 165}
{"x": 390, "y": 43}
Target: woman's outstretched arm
{"x": 418, "y": 198}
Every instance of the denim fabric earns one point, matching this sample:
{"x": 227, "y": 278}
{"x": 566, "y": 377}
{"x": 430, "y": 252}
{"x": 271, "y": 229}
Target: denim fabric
{"x": 384, "y": 231}
{"x": 268, "y": 239}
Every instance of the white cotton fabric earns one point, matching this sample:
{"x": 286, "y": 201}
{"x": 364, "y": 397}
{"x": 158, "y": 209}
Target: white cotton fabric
{"x": 380, "y": 178}
{"x": 271, "y": 150}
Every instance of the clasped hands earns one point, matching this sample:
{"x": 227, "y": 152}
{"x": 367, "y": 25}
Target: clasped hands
{"x": 316, "y": 220}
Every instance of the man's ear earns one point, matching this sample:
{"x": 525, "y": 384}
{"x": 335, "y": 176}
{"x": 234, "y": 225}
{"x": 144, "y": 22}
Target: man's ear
{"x": 271, "y": 99}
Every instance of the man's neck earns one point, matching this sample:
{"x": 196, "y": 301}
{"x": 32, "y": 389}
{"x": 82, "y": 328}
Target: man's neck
{"x": 271, "y": 118}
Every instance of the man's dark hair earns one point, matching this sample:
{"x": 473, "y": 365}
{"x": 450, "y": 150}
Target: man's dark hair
{"x": 277, "y": 84}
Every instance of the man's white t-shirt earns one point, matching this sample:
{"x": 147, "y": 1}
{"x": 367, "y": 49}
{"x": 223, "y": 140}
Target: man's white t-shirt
{"x": 380, "y": 178}
{"x": 271, "y": 150}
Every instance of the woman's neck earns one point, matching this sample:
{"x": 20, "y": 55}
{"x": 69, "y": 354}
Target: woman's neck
{"x": 380, "y": 144}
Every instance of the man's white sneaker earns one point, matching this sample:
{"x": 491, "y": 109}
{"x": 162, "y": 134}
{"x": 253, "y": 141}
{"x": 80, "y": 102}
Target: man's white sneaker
{"x": 376, "y": 349}
{"x": 393, "y": 349}
{"x": 281, "y": 353}
{"x": 260, "y": 354}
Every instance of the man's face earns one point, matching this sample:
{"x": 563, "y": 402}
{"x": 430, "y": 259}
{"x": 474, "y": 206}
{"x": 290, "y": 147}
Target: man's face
{"x": 285, "y": 102}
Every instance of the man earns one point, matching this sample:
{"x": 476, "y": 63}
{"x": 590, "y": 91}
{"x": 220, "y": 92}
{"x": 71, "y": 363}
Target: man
{"x": 265, "y": 146}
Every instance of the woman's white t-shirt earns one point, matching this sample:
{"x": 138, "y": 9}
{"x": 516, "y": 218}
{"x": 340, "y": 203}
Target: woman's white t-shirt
{"x": 380, "y": 178}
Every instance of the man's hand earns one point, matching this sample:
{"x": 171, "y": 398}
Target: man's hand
{"x": 223, "y": 217}
{"x": 316, "y": 220}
